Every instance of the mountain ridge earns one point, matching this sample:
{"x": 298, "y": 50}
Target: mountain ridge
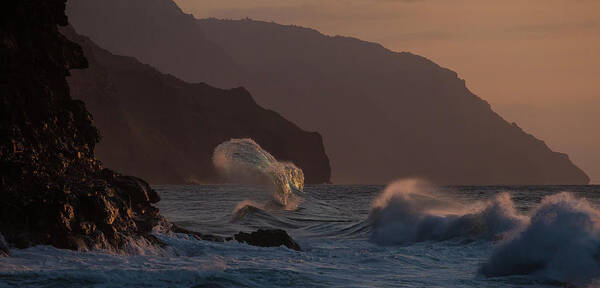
{"x": 383, "y": 114}
{"x": 165, "y": 130}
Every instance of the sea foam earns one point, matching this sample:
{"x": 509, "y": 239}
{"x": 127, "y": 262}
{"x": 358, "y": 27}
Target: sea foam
{"x": 411, "y": 211}
{"x": 561, "y": 242}
{"x": 557, "y": 241}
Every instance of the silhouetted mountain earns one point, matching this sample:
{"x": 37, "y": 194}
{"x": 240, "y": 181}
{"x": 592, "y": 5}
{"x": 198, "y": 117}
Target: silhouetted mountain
{"x": 383, "y": 114}
{"x": 165, "y": 130}
{"x": 160, "y": 28}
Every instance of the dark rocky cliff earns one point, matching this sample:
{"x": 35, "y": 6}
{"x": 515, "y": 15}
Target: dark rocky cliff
{"x": 53, "y": 191}
{"x": 165, "y": 130}
{"x": 382, "y": 114}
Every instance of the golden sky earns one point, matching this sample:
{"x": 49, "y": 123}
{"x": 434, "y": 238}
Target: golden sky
{"x": 536, "y": 61}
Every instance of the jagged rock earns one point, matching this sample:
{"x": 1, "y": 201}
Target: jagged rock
{"x": 268, "y": 238}
{"x": 4, "y": 249}
{"x": 261, "y": 238}
{"x": 53, "y": 190}
{"x": 138, "y": 190}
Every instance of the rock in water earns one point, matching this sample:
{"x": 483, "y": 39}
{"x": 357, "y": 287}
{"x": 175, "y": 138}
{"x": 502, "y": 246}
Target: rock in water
{"x": 4, "y": 251}
{"x": 268, "y": 238}
{"x": 206, "y": 237}
{"x": 53, "y": 190}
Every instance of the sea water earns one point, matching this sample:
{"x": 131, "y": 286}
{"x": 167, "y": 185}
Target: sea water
{"x": 405, "y": 235}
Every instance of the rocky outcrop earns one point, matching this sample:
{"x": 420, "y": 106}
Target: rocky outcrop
{"x": 165, "y": 130}
{"x": 199, "y": 236}
{"x": 260, "y": 238}
{"x": 382, "y": 114}
{"x": 53, "y": 190}
{"x": 268, "y": 238}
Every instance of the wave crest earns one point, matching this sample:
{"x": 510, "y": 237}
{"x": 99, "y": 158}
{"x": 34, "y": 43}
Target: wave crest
{"x": 561, "y": 242}
{"x": 558, "y": 241}
{"x": 244, "y": 161}
{"x": 412, "y": 211}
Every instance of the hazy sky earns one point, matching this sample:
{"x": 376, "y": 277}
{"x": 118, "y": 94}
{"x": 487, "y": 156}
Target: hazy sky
{"x": 536, "y": 61}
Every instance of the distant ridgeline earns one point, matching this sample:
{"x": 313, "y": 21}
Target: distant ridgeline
{"x": 382, "y": 114}
{"x": 165, "y": 130}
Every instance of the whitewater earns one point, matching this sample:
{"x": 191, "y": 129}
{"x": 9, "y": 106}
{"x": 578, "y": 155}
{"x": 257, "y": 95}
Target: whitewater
{"x": 243, "y": 161}
{"x": 408, "y": 234}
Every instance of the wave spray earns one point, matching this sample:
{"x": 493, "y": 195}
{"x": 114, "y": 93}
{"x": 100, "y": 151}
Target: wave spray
{"x": 244, "y": 161}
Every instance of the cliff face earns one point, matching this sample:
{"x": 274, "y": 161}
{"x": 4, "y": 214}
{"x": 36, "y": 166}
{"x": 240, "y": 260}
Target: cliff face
{"x": 158, "y": 26}
{"x": 383, "y": 114}
{"x": 410, "y": 116}
{"x": 165, "y": 130}
{"x": 53, "y": 191}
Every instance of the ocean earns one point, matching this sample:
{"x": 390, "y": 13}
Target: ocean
{"x": 407, "y": 234}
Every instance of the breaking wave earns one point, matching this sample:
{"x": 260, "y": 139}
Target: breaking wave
{"x": 561, "y": 243}
{"x": 557, "y": 241}
{"x": 411, "y": 211}
{"x": 244, "y": 161}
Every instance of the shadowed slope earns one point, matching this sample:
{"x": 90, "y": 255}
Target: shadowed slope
{"x": 409, "y": 116}
{"x": 166, "y": 130}
{"x": 158, "y": 33}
